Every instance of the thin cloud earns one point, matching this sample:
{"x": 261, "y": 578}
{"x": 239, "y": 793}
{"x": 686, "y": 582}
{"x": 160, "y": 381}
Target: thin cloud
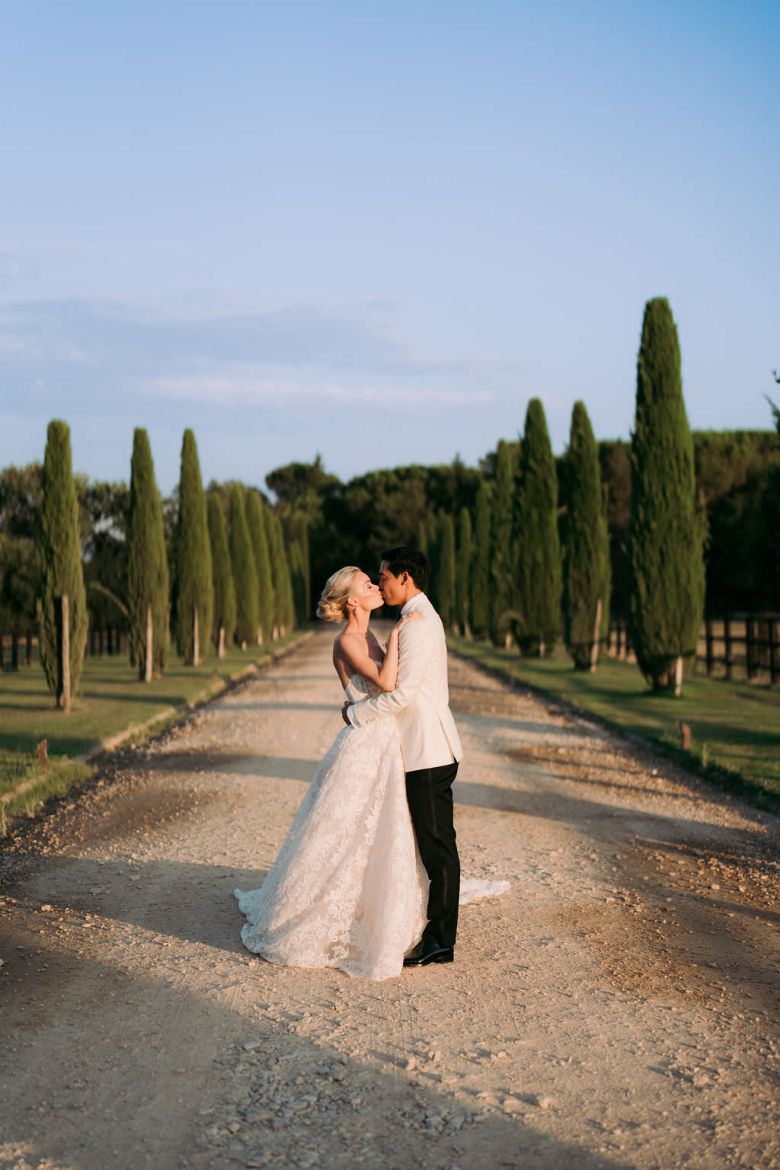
{"x": 256, "y": 391}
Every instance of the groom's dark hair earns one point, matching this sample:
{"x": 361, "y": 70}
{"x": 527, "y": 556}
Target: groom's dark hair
{"x": 408, "y": 560}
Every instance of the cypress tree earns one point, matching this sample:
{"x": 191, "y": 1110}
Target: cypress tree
{"x": 147, "y": 578}
{"x": 244, "y": 573}
{"x": 257, "y": 535}
{"x": 422, "y": 537}
{"x": 298, "y": 583}
{"x": 284, "y": 609}
{"x": 301, "y": 533}
{"x": 586, "y": 576}
{"x": 276, "y": 569}
{"x": 62, "y": 624}
{"x": 538, "y": 574}
{"x": 194, "y": 590}
{"x": 287, "y": 609}
{"x": 445, "y": 570}
{"x": 463, "y": 576}
{"x": 480, "y": 564}
{"x": 502, "y": 547}
{"x": 224, "y": 622}
{"x": 666, "y": 534}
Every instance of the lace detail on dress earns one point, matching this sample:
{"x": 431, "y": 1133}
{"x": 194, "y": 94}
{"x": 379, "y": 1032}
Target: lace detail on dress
{"x": 348, "y": 888}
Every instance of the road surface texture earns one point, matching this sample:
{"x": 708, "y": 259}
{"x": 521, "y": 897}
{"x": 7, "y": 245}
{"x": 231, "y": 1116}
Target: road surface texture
{"x": 617, "y": 1008}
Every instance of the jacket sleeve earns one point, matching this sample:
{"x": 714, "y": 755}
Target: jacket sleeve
{"x": 416, "y": 647}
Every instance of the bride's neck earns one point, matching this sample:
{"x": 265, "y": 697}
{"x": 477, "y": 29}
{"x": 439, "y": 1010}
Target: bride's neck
{"x": 357, "y": 622}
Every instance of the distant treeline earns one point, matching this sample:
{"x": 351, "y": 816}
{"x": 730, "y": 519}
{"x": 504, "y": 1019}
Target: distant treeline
{"x": 351, "y": 522}
{"x": 736, "y": 473}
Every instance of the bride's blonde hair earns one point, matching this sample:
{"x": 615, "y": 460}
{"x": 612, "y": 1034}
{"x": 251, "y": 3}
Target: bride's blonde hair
{"x": 333, "y": 600}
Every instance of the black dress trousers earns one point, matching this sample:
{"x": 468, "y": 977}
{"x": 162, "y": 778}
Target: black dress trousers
{"x": 429, "y": 793}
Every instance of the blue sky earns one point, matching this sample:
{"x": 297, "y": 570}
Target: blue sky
{"x": 376, "y": 230}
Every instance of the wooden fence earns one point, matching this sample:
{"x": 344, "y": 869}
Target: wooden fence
{"x": 741, "y": 646}
{"x": 19, "y": 647}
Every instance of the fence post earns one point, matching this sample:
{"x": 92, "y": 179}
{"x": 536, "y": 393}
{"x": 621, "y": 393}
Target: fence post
{"x": 727, "y": 655}
{"x": 750, "y": 658}
{"x": 709, "y": 641}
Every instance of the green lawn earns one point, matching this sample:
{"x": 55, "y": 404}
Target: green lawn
{"x": 735, "y": 726}
{"x": 110, "y": 702}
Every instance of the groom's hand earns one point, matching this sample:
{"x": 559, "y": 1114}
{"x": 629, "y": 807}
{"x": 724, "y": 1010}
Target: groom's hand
{"x": 344, "y": 715}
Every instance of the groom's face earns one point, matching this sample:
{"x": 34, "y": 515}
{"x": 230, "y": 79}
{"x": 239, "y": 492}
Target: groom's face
{"x": 392, "y": 588}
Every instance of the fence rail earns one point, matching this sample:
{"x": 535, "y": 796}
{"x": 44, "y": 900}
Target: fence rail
{"x": 741, "y": 646}
{"x": 19, "y": 646}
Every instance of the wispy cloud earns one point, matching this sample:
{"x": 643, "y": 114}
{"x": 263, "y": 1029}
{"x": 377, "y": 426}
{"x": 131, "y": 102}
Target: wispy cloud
{"x": 249, "y": 391}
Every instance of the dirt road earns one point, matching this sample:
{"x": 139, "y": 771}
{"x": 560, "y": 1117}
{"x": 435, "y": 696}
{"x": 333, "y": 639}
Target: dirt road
{"x": 617, "y": 1008}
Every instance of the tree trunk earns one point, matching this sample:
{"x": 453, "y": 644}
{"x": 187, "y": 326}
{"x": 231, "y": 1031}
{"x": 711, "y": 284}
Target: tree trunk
{"x": 195, "y": 641}
{"x": 63, "y": 699}
{"x": 678, "y": 674}
{"x": 149, "y": 663}
{"x": 221, "y": 643}
{"x": 594, "y": 646}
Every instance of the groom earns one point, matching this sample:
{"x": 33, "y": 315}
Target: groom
{"x": 429, "y": 741}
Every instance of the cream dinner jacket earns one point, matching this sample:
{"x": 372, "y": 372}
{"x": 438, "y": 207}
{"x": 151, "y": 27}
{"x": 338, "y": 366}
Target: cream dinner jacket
{"x": 420, "y": 701}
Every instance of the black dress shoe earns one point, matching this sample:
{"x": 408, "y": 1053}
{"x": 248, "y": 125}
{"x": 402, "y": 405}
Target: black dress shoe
{"x": 429, "y": 951}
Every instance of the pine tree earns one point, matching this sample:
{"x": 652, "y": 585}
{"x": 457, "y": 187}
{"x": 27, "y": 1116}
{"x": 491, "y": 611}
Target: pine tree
{"x": 193, "y": 587}
{"x": 244, "y": 572}
{"x": 480, "y": 564}
{"x": 224, "y": 622}
{"x": 463, "y": 575}
{"x": 61, "y": 605}
{"x": 586, "y": 573}
{"x": 667, "y": 528}
{"x": 445, "y": 570}
{"x": 147, "y": 578}
{"x": 537, "y": 603}
{"x": 502, "y": 546}
{"x": 255, "y": 520}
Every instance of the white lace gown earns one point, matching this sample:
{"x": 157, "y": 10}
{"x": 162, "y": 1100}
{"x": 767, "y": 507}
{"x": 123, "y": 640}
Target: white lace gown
{"x": 348, "y": 888}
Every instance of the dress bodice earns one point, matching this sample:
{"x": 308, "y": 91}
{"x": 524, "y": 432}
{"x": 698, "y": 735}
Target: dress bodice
{"x": 359, "y": 687}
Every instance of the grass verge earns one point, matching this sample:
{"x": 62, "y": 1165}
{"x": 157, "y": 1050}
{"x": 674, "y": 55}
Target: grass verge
{"x": 735, "y": 726}
{"x": 112, "y": 707}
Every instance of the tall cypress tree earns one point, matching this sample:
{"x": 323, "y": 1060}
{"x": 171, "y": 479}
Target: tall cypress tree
{"x": 666, "y": 535}
{"x": 537, "y": 603}
{"x": 586, "y": 575}
{"x": 287, "y": 608}
{"x": 244, "y": 572}
{"x": 463, "y": 575}
{"x": 193, "y": 586}
{"x": 284, "y": 608}
{"x": 224, "y": 622}
{"x": 147, "y": 579}
{"x": 502, "y": 546}
{"x": 300, "y": 529}
{"x": 480, "y": 564}
{"x": 255, "y": 520}
{"x": 276, "y": 569}
{"x": 445, "y": 570}
{"x": 62, "y": 624}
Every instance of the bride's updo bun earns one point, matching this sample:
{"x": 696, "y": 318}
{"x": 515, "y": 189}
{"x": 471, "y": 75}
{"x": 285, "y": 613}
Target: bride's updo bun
{"x": 333, "y": 601}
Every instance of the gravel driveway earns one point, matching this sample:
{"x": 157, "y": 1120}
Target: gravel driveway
{"x": 617, "y": 1008}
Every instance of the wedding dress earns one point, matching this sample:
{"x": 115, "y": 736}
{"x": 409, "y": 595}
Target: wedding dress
{"x": 348, "y": 888}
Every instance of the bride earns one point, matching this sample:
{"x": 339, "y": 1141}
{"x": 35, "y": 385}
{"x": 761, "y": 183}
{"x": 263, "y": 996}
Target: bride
{"x": 348, "y": 888}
